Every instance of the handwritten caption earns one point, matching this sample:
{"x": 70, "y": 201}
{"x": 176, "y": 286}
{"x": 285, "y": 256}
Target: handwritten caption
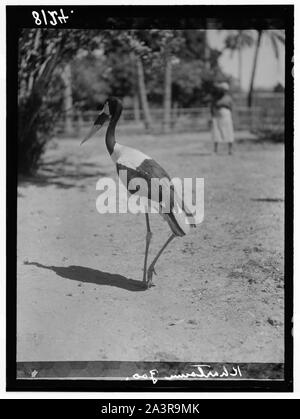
{"x": 50, "y": 17}
{"x": 201, "y": 371}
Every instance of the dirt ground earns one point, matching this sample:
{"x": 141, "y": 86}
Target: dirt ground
{"x": 219, "y": 293}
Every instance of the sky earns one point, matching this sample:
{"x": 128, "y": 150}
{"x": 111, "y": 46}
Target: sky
{"x": 269, "y": 72}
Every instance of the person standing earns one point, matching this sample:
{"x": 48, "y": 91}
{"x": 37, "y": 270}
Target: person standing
{"x": 221, "y": 109}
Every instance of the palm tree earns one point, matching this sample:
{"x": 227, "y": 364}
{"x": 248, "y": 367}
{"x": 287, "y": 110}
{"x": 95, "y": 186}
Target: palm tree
{"x": 276, "y": 37}
{"x": 237, "y": 40}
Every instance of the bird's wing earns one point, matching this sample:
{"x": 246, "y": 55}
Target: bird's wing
{"x": 158, "y": 189}
{"x": 158, "y": 182}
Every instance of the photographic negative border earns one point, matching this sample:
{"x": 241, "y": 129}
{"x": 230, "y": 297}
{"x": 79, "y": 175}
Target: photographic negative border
{"x": 257, "y": 377}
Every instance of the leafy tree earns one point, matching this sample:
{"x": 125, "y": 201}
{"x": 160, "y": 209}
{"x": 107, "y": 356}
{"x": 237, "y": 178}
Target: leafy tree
{"x": 163, "y": 66}
{"x": 170, "y": 51}
{"x": 170, "y": 42}
{"x": 279, "y": 88}
{"x": 89, "y": 85}
{"x": 193, "y": 83}
{"x": 172, "y": 64}
{"x": 42, "y": 55}
{"x": 133, "y": 43}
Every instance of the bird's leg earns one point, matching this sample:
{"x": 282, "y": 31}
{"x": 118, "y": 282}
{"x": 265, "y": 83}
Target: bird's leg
{"x": 148, "y": 239}
{"x": 151, "y": 269}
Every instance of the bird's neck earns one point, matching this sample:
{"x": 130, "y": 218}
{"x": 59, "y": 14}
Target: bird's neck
{"x": 110, "y": 133}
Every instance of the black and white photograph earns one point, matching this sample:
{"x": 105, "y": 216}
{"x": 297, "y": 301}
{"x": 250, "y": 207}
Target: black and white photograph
{"x": 150, "y": 192}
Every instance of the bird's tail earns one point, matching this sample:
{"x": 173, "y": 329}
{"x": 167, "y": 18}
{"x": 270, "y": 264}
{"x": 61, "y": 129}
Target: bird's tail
{"x": 180, "y": 218}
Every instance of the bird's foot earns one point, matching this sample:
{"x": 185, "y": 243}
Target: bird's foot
{"x": 150, "y": 273}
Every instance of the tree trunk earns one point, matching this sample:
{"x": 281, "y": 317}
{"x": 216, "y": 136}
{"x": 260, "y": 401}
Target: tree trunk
{"x": 240, "y": 52}
{"x": 68, "y": 99}
{"x": 206, "y": 50}
{"x": 136, "y": 109}
{"x": 143, "y": 95}
{"x": 250, "y": 94}
{"x": 37, "y": 40}
{"x": 167, "y": 95}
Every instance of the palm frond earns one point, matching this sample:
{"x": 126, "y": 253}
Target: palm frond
{"x": 275, "y": 46}
{"x": 279, "y": 34}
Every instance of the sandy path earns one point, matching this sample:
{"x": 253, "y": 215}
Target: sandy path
{"x": 219, "y": 292}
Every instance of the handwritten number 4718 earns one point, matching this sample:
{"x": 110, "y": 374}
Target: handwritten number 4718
{"x": 52, "y": 19}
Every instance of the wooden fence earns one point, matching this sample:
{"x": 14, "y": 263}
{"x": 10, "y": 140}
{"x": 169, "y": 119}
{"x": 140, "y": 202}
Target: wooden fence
{"x": 266, "y": 113}
{"x": 183, "y": 119}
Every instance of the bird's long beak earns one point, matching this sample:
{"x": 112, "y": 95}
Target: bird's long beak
{"x": 102, "y": 118}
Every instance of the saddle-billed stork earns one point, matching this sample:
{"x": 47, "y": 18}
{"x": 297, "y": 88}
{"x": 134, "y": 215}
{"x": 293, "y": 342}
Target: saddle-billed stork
{"x": 138, "y": 165}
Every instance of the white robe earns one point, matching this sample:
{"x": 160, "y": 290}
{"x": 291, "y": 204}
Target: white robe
{"x": 222, "y": 126}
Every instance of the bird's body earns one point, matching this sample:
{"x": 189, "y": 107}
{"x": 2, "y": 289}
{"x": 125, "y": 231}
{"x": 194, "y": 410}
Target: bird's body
{"x": 132, "y": 164}
{"x": 136, "y": 164}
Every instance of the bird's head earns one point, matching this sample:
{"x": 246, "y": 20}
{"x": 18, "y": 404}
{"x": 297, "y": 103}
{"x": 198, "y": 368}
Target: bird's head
{"x": 112, "y": 107}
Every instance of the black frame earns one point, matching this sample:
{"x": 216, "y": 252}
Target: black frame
{"x": 124, "y": 17}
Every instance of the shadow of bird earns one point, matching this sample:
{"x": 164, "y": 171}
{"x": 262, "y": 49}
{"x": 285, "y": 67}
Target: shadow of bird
{"x": 93, "y": 276}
